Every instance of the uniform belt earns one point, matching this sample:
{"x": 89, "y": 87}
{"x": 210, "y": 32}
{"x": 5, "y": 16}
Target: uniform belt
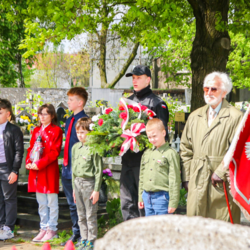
{"x": 208, "y": 157}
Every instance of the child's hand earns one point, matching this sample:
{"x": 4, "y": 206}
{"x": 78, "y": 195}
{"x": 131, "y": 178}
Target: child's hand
{"x": 28, "y": 166}
{"x": 141, "y": 205}
{"x": 12, "y": 178}
{"x": 171, "y": 210}
{"x": 74, "y": 196}
{"x": 34, "y": 166}
{"x": 95, "y": 197}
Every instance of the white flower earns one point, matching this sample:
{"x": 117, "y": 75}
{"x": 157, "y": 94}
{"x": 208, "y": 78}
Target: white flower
{"x": 95, "y": 118}
{"x": 26, "y": 121}
{"x": 33, "y": 117}
{"x": 17, "y": 119}
{"x": 91, "y": 126}
{"x": 21, "y": 120}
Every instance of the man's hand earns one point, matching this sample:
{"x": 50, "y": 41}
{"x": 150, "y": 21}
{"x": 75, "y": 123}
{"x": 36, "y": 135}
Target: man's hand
{"x": 185, "y": 185}
{"x": 216, "y": 179}
{"x": 95, "y": 197}
{"x": 12, "y": 178}
{"x": 28, "y": 166}
{"x": 171, "y": 210}
{"x": 140, "y": 205}
{"x": 34, "y": 167}
{"x": 74, "y": 196}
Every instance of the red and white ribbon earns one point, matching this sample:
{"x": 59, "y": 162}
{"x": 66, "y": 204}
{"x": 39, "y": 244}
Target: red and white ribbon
{"x": 131, "y": 142}
{"x": 124, "y": 102}
{"x": 124, "y": 105}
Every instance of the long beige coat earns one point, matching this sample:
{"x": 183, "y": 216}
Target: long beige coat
{"x": 202, "y": 151}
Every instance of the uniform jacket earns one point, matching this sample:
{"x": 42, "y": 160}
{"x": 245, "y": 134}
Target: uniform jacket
{"x": 46, "y": 179}
{"x": 202, "y": 151}
{"x": 147, "y": 98}
{"x": 13, "y": 146}
{"x": 160, "y": 171}
{"x": 86, "y": 165}
{"x": 66, "y": 170}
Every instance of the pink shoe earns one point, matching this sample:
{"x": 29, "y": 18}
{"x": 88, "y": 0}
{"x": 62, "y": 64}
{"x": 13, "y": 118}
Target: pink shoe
{"x": 49, "y": 235}
{"x": 39, "y": 237}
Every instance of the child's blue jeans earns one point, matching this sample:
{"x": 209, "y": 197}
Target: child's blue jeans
{"x": 155, "y": 203}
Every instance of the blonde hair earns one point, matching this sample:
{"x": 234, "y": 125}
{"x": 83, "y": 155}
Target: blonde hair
{"x": 155, "y": 122}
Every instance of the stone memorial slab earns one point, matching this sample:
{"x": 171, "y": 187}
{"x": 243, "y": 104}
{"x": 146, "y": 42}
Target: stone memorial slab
{"x": 175, "y": 232}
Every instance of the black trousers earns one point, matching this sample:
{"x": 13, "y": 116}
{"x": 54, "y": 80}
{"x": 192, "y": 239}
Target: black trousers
{"x": 8, "y": 203}
{"x": 129, "y": 183}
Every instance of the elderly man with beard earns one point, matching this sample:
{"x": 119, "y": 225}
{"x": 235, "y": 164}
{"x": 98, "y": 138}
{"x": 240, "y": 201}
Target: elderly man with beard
{"x": 205, "y": 140}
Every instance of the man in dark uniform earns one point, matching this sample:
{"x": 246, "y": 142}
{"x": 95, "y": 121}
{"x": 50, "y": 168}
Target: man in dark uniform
{"x": 131, "y": 161}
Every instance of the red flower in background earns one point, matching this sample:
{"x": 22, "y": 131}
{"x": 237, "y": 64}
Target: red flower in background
{"x": 123, "y": 115}
{"x": 136, "y": 109}
{"x": 100, "y": 122}
{"x": 130, "y": 106}
{"x": 107, "y": 111}
{"x": 121, "y": 108}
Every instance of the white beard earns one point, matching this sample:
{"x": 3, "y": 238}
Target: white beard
{"x": 214, "y": 101}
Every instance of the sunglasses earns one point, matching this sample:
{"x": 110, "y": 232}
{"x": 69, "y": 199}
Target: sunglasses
{"x": 213, "y": 90}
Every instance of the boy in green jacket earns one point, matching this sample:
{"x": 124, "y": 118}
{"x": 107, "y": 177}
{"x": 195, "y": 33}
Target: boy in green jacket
{"x": 159, "y": 184}
{"x": 86, "y": 182}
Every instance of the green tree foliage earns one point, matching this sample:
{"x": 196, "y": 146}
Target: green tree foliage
{"x": 169, "y": 32}
{"x": 12, "y": 15}
{"x": 56, "y": 20}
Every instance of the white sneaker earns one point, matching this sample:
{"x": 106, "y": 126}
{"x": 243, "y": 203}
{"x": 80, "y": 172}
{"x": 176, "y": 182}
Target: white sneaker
{"x": 6, "y": 233}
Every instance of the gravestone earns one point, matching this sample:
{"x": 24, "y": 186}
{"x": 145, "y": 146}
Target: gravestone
{"x": 63, "y": 105}
{"x": 175, "y": 232}
{"x": 188, "y": 96}
{"x": 60, "y": 112}
{"x": 24, "y": 113}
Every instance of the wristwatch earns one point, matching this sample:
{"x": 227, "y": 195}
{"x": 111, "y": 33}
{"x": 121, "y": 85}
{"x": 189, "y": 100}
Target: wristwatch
{"x": 15, "y": 172}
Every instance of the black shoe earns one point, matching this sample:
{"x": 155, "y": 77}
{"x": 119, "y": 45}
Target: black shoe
{"x": 74, "y": 238}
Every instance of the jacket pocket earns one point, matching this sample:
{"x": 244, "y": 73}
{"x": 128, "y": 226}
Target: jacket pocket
{"x": 162, "y": 165}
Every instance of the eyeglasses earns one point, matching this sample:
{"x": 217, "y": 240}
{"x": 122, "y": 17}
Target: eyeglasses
{"x": 213, "y": 90}
{"x": 43, "y": 114}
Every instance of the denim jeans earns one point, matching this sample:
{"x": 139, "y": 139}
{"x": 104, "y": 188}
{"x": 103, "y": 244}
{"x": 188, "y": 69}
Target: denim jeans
{"x": 155, "y": 203}
{"x": 68, "y": 190}
{"x": 48, "y": 210}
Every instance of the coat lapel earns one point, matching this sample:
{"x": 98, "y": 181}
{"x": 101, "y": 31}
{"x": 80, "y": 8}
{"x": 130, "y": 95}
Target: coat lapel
{"x": 224, "y": 112}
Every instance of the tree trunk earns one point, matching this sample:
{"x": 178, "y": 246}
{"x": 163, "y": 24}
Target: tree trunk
{"x": 20, "y": 81}
{"x": 124, "y": 67}
{"x": 102, "y": 61}
{"x": 210, "y": 47}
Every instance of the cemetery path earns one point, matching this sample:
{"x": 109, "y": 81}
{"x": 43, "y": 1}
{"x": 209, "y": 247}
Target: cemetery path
{"x": 24, "y": 235}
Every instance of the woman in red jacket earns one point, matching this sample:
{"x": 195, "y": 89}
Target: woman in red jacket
{"x": 44, "y": 171}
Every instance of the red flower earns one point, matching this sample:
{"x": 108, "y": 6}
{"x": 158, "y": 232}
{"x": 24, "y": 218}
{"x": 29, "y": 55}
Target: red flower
{"x": 130, "y": 106}
{"x": 107, "y": 111}
{"x": 121, "y": 108}
{"x": 136, "y": 109}
{"x": 100, "y": 122}
{"x": 150, "y": 113}
{"x": 123, "y": 115}
{"x": 143, "y": 108}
